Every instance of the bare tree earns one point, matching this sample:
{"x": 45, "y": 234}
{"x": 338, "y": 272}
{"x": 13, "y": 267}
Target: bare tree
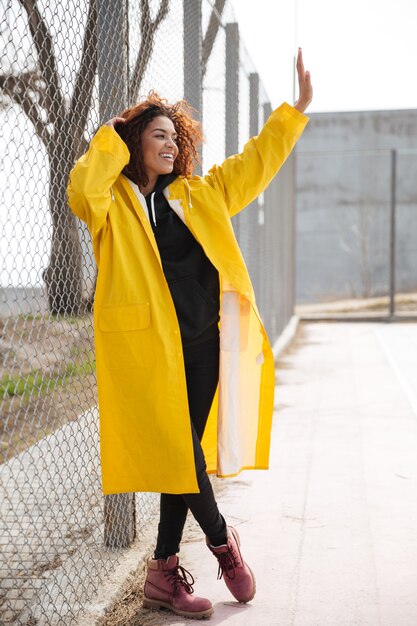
{"x": 60, "y": 123}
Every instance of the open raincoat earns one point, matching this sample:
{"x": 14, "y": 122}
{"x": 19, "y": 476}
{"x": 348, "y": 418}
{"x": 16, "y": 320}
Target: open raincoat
{"x": 145, "y": 431}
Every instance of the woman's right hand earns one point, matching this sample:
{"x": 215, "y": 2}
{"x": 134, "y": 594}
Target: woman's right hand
{"x": 115, "y": 120}
{"x": 305, "y": 95}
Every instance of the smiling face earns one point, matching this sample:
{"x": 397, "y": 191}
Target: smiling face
{"x": 159, "y": 148}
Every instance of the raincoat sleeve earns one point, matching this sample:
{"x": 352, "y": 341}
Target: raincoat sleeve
{"x": 242, "y": 177}
{"x": 91, "y": 179}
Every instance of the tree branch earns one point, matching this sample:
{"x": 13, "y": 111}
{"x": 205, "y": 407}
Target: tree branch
{"x": 84, "y": 83}
{"x": 211, "y": 34}
{"x": 148, "y": 30}
{"x": 54, "y": 102}
{"x": 18, "y": 88}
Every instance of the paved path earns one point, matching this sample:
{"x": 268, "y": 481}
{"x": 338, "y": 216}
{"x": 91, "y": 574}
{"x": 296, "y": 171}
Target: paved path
{"x": 331, "y": 529}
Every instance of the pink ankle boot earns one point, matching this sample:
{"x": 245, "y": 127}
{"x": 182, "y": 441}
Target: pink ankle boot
{"x": 170, "y": 586}
{"x": 236, "y": 573}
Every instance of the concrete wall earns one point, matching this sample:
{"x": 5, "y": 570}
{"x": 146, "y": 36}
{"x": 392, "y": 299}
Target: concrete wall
{"x": 343, "y": 204}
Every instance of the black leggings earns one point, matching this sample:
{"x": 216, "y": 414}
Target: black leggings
{"x": 202, "y": 374}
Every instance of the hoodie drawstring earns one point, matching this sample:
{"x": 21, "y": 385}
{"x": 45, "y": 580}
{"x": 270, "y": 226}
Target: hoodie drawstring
{"x": 152, "y": 212}
{"x": 153, "y": 208}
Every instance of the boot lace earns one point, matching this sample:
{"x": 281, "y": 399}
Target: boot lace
{"x": 227, "y": 563}
{"x": 180, "y": 577}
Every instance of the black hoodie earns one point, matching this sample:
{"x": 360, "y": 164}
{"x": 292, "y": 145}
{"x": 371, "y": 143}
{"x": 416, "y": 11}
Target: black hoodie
{"x": 192, "y": 279}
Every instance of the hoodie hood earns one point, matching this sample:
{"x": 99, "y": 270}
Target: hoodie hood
{"x": 163, "y": 181}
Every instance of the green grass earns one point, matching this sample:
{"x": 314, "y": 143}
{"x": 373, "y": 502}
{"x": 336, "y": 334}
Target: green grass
{"x": 38, "y": 383}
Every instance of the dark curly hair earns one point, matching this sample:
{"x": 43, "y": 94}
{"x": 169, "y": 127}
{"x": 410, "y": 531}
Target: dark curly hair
{"x": 189, "y": 134}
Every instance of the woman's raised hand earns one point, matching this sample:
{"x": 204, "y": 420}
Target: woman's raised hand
{"x": 114, "y": 121}
{"x": 305, "y": 89}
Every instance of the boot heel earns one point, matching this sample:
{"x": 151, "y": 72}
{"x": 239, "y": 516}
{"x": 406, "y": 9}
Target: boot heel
{"x": 151, "y": 604}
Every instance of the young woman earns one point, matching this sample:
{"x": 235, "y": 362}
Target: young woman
{"x": 184, "y": 368}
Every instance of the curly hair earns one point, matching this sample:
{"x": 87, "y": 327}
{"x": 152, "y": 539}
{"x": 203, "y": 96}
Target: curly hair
{"x": 189, "y": 134}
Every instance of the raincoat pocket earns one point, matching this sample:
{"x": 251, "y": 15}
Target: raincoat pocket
{"x": 127, "y": 338}
{"x": 124, "y": 318}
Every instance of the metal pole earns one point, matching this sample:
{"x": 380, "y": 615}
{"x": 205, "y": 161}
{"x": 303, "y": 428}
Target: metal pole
{"x": 192, "y": 54}
{"x": 119, "y": 509}
{"x": 232, "y": 89}
{"x": 252, "y": 217}
{"x": 253, "y": 104}
{"x": 293, "y": 235}
{"x": 193, "y": 38}
{"x": 112, "y": 57}
{"x": 248, "y": 219}
{"x": 232, "y": 99}
{"x": 268, "y": 251}
{"x": 393, "y": 230}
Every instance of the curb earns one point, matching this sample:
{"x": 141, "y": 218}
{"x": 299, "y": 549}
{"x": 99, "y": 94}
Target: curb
{"x": 285, "y": 337}
{"x": 110, "y": 591}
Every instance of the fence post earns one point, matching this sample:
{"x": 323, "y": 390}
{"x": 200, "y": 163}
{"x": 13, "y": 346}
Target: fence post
{"x": 292, "y": 239}
{"x": 232, "y": 89}
{"x": 232, "y": 98}
{"x": 392, "y": 231}
{"x": 119, "y": 509}
{"x": 253, "y": 104}
{"x": 248, "y": 223}
{"x": 269, "y": 252}
{"x": 112, "y": 60}
{"x": 193, "y": 38}
{"x": 192, "y": 55}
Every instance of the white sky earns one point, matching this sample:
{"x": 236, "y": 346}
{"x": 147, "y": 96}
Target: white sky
{"x": 362, "y": 54}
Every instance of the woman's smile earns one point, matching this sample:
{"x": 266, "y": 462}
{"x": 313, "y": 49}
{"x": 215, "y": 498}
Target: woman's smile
{"x": 168, "y": 156}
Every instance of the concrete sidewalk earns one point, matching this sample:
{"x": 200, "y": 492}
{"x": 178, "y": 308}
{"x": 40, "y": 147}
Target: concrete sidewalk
{"x": 331, "y": 529}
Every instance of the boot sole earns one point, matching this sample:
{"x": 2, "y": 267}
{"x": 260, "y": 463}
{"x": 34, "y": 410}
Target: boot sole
{"x": 158, "y": 604}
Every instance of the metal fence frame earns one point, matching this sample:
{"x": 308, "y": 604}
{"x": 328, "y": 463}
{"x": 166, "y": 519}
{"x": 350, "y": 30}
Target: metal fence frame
{"x": 392, "y": 314}
{"x": 266, "y": 234}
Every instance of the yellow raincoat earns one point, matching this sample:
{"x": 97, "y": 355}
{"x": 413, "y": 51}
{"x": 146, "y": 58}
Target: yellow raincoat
{"x": 145, "y": 432}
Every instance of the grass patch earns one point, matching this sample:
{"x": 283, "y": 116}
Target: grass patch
{"x": 37, "y": 382}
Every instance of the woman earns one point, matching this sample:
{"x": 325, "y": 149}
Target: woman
{"x": 170, "y": 275}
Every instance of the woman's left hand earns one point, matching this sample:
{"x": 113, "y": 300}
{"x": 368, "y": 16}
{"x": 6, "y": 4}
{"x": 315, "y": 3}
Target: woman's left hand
{"x": 305, "y": 94}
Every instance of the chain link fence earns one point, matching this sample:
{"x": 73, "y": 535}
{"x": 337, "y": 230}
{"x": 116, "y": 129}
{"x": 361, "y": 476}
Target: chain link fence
{"x": 356, "y": 232}
{"x": 65, "y": 68}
